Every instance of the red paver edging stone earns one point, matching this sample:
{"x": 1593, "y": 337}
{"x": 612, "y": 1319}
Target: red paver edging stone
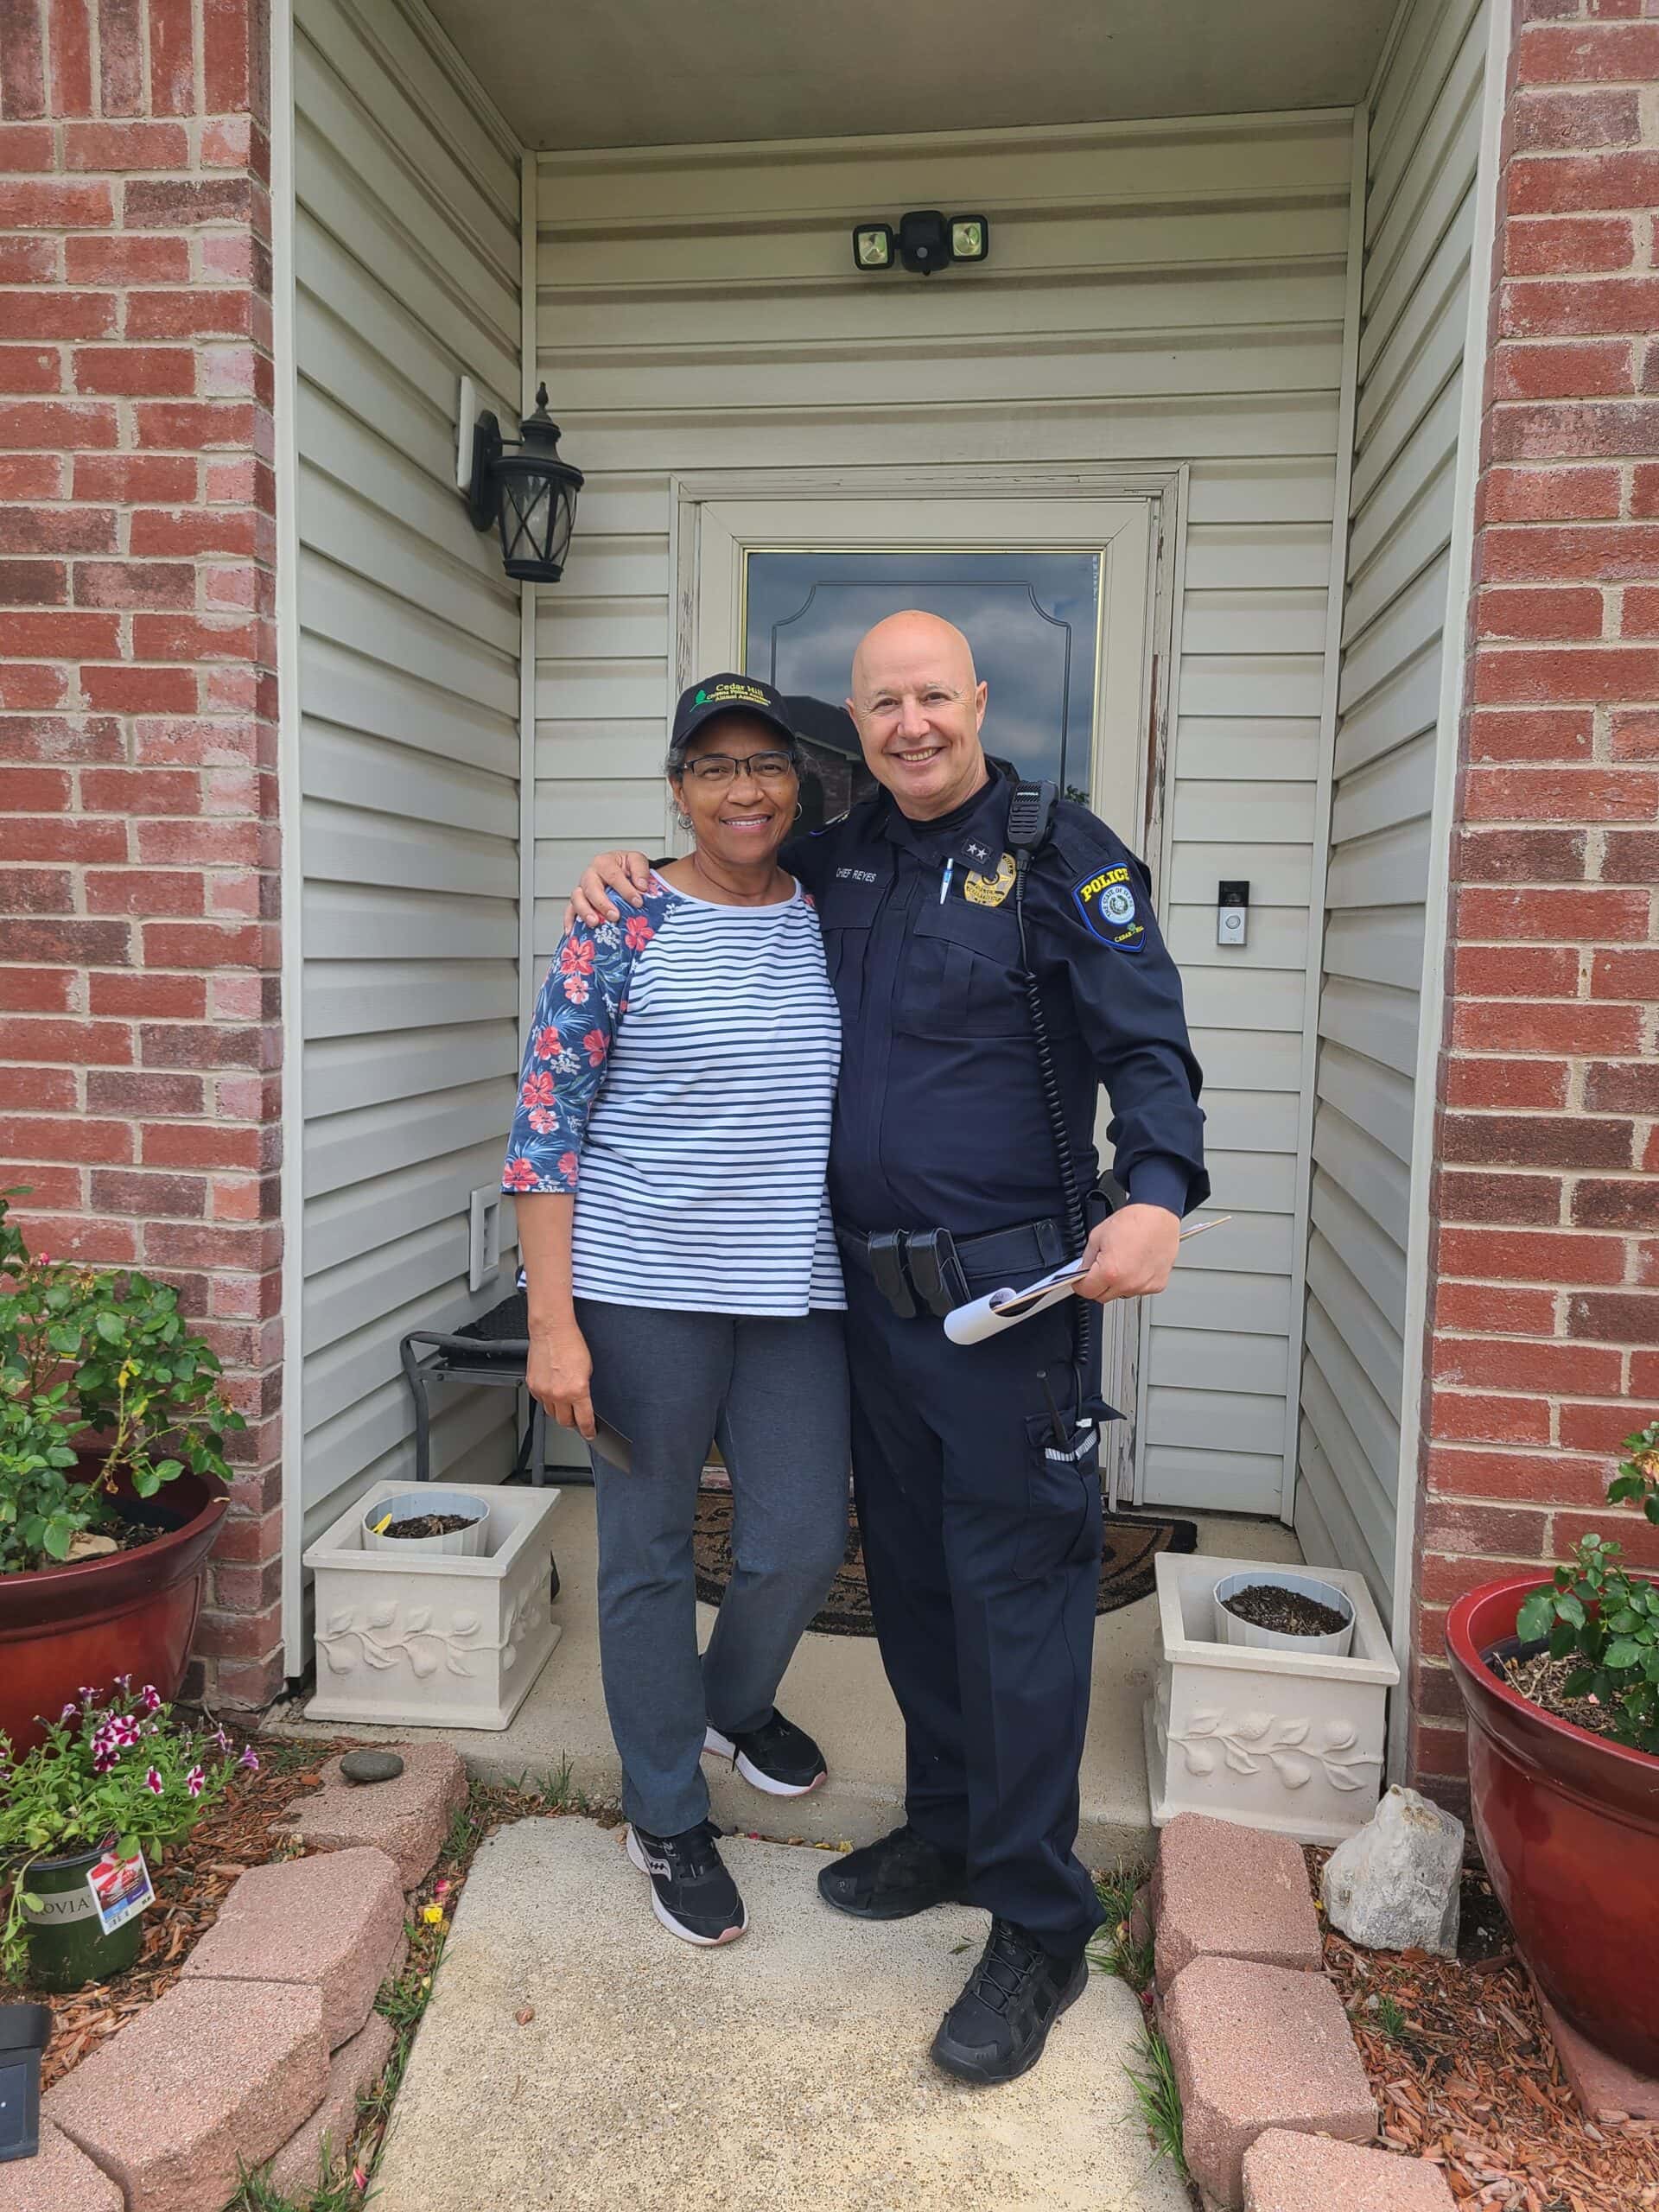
{"x": 297, "y": 2170}
{"x": 1288, "y": 2172}
{"x": 335, "y": 1920}
{"x": 60, "y": 2178}
{"x": 1255, "y": 2047}
{"x": 407, "y": 1818}
{"x": 1221, "y": 1889}
{"x": 1603, "y": 2085}
{"x": 212, "y": 2073}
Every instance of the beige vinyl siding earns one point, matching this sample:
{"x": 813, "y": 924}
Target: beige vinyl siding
{"x": 1419, "y": 218}
{"x": 1157, "y": 295}
{"x": 407, "y": 274}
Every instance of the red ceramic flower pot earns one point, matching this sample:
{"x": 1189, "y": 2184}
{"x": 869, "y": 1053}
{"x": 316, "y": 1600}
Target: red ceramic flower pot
{"x": 1568, "y": 1825}
{"x": 126, "y": 1613}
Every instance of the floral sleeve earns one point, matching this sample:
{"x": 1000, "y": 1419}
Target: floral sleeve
{"x": 583, "y": 1000}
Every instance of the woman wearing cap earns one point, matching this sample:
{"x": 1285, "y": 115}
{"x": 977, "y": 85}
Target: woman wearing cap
{"x": 668, "y": 1157}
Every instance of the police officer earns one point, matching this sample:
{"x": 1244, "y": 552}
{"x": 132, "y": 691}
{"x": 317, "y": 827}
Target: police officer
{"x": 976, "y": 1468}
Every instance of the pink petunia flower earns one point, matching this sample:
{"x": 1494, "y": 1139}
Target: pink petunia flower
{"x": 152, "y": 1698}
{"x": 123, "y": 1683}
{"x": 67, "y": 1712}
{"x": 518, "y": 1175}
{"x": 595, "y": 1043}
{"x": 195, "y": 1781}
{"x": 250, "y": 1759}
{"x": 638, "y": 933}
{"x": 153, "y": 1782}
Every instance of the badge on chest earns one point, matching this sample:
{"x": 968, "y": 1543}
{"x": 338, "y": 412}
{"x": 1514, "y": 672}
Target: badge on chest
{"x": 990, "y": 890}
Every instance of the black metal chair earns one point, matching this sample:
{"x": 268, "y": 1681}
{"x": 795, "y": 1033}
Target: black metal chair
{"x": 493, "y": 1349}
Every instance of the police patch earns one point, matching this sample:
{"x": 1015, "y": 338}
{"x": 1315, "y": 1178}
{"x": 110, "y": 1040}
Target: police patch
{"x": 1111, "y": 910}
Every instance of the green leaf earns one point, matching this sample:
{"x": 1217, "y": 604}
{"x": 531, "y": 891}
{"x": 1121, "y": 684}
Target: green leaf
{"x": 32, "y": 1901}
{"x": 1578, "y": 1684}
{"x": 1623, "y": 1651}
{"x": 109, "y": 1327}
{"x": 1537, "y": 1616}
{"x": 1563, "y": 1638}
{"x": 1571, "y": 1609}
{"x": 146, "y": 1479}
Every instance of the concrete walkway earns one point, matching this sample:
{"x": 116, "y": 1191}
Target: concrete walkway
{"x": 836, "y": 1689}
{"x": 785, "y": 2073}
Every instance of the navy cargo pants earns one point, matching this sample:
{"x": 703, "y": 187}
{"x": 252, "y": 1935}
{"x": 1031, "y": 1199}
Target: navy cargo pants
{"x": 982, "y": 1546}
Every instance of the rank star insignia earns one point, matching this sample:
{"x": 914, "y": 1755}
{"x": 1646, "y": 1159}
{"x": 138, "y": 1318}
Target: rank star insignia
{"x": 990, "y": 890}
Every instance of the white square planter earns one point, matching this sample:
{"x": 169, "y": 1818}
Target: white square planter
{"x": 440, "y": 1641}
{"x": 1273, "y": 1739}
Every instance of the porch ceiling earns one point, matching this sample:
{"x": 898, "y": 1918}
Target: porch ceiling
{"x": 682, "y": 72}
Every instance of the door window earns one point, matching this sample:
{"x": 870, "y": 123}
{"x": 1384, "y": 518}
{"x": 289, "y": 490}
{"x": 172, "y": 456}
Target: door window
{"x": 1032, "y": 620}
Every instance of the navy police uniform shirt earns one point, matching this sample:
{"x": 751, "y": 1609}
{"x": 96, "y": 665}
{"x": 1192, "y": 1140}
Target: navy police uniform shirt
{"x": 939, "y": 1115}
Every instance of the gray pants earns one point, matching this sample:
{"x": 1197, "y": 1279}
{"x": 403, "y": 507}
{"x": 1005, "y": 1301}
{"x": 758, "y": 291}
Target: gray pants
{"x": 773, "y": 1394}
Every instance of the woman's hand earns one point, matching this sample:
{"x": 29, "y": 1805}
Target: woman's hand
{"x": 558, "y": 1375}
{"x": 626, "y": 874}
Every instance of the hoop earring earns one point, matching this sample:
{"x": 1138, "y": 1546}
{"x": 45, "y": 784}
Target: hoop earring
{"x": 798, "y": 810}
{"x": 682, "y": 819}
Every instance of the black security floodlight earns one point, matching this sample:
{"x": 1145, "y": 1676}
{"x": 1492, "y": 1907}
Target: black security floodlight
{"x": 524, "y": 487}
{"x": 925, "y": 240}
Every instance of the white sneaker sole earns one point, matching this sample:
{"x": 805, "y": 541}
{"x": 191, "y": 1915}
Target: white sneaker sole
{"x": 636, "y": 1857}
{"x": 725, "y": 1748}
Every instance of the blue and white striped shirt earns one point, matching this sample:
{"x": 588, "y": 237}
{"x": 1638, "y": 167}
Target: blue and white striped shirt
{"x": 679, "y": 1076}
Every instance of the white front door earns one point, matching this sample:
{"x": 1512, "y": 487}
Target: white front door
{"x": 1054, "y": 591}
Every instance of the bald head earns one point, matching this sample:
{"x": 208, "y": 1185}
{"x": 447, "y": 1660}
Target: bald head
{"x": 918, "y": 705}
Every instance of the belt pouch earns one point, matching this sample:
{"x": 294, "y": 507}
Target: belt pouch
{"x": 887, "y": 1265}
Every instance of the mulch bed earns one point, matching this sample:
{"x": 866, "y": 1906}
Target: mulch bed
{"x": 1468, "y": 2077}
{"x": 191, "y": 1885}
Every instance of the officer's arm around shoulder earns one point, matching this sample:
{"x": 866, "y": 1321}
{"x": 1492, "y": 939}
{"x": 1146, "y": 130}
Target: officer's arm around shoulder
{"x": 1091, "y": 896}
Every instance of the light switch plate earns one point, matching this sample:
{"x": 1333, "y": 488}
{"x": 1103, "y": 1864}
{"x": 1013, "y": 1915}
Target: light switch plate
{"x": 483, "y": 1236}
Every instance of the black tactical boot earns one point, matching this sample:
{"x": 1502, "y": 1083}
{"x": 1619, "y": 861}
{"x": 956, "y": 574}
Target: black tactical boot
{"x": 902, "y": 1874}
{"x": 996, "y": 2029}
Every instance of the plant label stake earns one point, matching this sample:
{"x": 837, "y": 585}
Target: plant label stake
{"x": 120, "y": 1887}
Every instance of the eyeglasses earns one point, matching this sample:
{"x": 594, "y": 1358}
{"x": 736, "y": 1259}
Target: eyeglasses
{"x": 721, "y": 767}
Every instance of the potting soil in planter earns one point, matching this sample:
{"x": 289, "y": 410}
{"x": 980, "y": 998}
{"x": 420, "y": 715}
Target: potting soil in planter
{"x": 428, "y": 1524}
{"x": 1288, "y": 1612}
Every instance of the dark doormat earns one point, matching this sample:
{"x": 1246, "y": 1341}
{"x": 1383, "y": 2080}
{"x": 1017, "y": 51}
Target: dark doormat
{"x": 1126, "y": 1567}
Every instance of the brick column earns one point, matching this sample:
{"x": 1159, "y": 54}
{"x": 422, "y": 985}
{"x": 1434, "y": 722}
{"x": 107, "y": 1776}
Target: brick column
{"x": 139, "y": 1018}
{"x": 1545, "y": 1313}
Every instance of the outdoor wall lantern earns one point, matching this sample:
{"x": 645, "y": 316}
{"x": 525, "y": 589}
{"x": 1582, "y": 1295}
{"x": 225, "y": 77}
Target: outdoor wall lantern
{"x": 924, "y": 241}
{"x": 521, "y": 486}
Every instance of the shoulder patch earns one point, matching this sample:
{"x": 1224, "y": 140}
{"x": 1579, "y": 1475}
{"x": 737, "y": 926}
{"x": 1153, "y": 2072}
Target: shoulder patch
{"x": 1110, "y": 908}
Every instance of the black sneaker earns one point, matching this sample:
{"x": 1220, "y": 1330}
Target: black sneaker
{"x": 691, "y": 1893}
{"x": 777, "y": 1757}
{"x": 902, "y": 1874}
{"x": 996, "y": 2029}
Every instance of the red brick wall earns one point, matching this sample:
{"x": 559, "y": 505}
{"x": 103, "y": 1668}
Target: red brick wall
{"x": 139, "y": 1036}
{"x": 1545, "y": 1317}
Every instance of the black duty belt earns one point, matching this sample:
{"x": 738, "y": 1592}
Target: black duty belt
{"x": 931, "y": 1266}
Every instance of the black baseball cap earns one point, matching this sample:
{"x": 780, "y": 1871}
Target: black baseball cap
{"x": 729, "y": 695}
